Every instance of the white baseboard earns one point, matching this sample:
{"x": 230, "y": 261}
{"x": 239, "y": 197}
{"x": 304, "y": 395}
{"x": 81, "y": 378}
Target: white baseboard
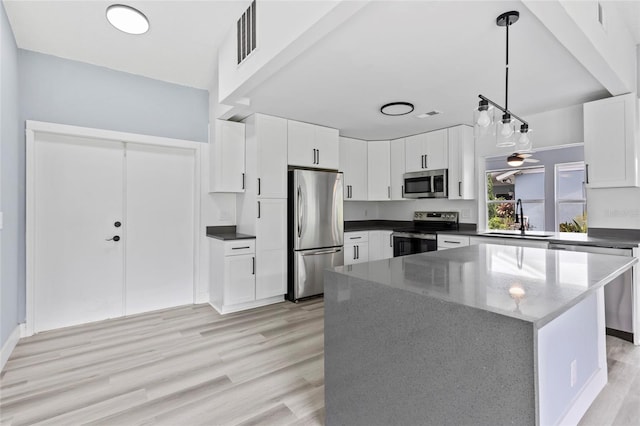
{"x": 10, "y": 344}
{"x": 227, "y": 309}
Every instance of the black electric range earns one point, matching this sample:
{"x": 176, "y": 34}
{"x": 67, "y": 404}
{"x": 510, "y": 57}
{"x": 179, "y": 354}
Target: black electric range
{"x": 421, "y": 237}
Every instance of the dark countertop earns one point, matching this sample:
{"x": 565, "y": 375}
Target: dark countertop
{"x": 226, "y": 233}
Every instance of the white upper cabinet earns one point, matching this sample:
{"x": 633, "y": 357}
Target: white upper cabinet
{"x": 353, "y": 163}
{"x": 226, "y": 162}
{"x": 397, "y": 160}
{"x": 312, "y": 146}
{"x": 427, "y": 151}
{"x": 270, "y": 151}
{"x": 611, "y": 142}
{"x": 378, "y": 171}
{"x": 461, "y": 163}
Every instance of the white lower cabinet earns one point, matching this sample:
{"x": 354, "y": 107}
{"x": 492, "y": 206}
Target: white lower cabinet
{"x": 448, "y": 241}
{"x": 380, "y": 245}
{"x": 356, "y": 247}
{"x": 233, "y": 276}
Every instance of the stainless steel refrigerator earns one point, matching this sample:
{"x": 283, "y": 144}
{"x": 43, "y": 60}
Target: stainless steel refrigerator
{"x": 316, "y": 230}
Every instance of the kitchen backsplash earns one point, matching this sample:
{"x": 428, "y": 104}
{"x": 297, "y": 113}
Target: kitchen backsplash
{"x": 403, "y": 210}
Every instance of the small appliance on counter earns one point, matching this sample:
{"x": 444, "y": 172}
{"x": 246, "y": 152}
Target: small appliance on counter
{"x": 426, "y": 184}
{"x": 421, "y": 237}
{"x": 315, "y": 230}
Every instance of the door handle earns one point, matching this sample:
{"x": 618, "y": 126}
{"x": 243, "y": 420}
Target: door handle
{"x": 253, "y": 265}
{"x": 422, "y": 164}
{"x": 389, "y": 192}
{"x": 459, "y": 189}
{"x": 426, "y": 161}
{"x": 313, "y": 253}
{"x": 258, "y": 209}
{"x": 390, "y": 240}
{"x": 258, "y": 186}
{"x": 357, "y": 252}
{"x": 314, "y": 156}
{"x": 354, "y": 253}
{"x": 114, "y": 238}
{"x": 452, "y": 242}
{"x": 318, "y": 156}
{"x": 586, "y": 172}
{"x": 243, "y": 181}
{"x": 240, "y": 248}
{"x": 402, "y": 190}
{"x": 299, "y": 212}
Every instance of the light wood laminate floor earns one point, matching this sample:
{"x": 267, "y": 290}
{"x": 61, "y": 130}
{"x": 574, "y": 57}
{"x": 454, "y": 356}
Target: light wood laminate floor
{"x": 191, "y": 366}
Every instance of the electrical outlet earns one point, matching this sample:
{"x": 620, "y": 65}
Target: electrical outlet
{"x": 366, "y": 213}
{"x": 466, "y": 213}
{"x": 574, "y": 372}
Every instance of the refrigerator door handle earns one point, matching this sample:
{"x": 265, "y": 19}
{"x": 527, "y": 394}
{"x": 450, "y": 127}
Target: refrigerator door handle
{"x": 313, "y": 253}
{"x": 299, "y": 212}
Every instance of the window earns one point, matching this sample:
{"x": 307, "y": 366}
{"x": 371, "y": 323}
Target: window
{"x": 504, "y": 187}
{"x": 571, "y": 203}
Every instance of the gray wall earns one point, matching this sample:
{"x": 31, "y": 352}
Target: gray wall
{"x": 62, "y": 91}
{"x": 10, "y": 243}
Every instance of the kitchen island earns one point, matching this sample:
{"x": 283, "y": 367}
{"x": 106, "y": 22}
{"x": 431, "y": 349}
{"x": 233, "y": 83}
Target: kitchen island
{"x": 483, "y": 334}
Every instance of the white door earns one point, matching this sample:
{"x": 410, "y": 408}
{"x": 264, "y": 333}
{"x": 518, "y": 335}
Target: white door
{"x": 78, "y": 266}
{"x": 160, "y": 191}
{"x": 271, "y": 156}
{"x": 326, "y": 142}
{"x": 240, "y": 280}
{"x": 378, "y": 171}
{"x": 271, "y": 248}
{"x": 415, "y": 152}
{"x": 397, "y": 164}
{"x": 437, "y": 153}
{"x": 301, "y": 146}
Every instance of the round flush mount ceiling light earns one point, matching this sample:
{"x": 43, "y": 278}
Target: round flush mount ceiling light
{"x": 396, "y": 108}
{"x": 127, "y": 19}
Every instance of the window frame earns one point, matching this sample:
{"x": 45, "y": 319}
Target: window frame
{"x": 557, "y": 200}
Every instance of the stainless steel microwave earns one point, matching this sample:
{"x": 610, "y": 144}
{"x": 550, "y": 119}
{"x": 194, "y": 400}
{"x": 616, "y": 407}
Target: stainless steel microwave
{"x": 426, "y": 184}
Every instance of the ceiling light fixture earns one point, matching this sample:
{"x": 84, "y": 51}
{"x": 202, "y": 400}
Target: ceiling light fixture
{"x": 488, "y": 120}
{"x": 515, "y": 161}
{"x": 397, "y": 108}
{"x": 127, "y": 19}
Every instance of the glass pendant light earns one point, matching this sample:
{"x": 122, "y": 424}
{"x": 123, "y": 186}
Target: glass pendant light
{"x": 524, "y": 139}
{"x": 505, "y": 132}
{"x": 483, "y": 119}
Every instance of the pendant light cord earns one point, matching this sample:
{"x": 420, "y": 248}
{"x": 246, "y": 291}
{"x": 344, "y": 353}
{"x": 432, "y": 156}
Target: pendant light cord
{"x": 506, "y": 83}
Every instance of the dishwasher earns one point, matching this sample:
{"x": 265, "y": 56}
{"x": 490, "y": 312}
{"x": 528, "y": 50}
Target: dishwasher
{"x": 618, "y": 294}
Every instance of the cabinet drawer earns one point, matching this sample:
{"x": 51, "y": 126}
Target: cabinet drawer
{"x": 356, "y": 237}
{"x": 232, "y": 248}
{"x": 452, "y": 241}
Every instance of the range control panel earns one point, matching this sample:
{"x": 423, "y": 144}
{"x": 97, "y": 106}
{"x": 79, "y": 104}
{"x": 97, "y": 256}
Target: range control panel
{"x": 436, "y": 216}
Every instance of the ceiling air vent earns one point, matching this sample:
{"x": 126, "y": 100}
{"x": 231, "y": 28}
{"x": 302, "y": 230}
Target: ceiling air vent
{"x": 246, "y": 32}
{"x": 429, "y": 114}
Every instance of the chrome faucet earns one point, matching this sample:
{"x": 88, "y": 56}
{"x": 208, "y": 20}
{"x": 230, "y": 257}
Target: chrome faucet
{"x": 519, "y": 203}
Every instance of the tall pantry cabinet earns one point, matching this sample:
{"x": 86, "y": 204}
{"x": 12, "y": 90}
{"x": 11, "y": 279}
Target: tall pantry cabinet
{"x": 262, "y": 208}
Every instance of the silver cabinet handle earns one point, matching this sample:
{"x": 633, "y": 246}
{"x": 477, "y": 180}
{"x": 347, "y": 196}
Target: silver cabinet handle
{"x": 253, "y": 263}
{"x": 459, "y": 189}
{"x": 318, "y": 156}
{"x": 258, "y": 209}
{"x": 426, "y": 161}
{"x": 452, "y": 242}
{"x": 259, "y": 186}
{"x": 422, "y": 164}
{"x": 240, "y": 248}
{"x": 354, "y": 253}
{"x": 354, "y": 238}
{"x": 243, "y": 181}
{"x": 313, "y": 253}
{"x": 314, "y": 156}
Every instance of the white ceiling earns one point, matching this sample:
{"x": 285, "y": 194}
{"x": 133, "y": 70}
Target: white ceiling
{"x": 180, "y": 47}
{"x": 436, "y": 54}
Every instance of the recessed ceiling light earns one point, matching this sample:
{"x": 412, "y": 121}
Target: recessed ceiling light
{"x": 397, "y": 108}
{"x": 127, "y": 19}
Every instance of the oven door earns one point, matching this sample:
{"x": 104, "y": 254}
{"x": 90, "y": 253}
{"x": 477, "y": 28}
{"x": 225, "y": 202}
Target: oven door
{"x": 404, "y": 244}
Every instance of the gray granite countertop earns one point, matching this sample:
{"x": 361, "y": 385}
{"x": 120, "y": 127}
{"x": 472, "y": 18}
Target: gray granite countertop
{"x": 572, "y": 238}
{"x": 226, "y": 233}
{"x": 531, "y": 284}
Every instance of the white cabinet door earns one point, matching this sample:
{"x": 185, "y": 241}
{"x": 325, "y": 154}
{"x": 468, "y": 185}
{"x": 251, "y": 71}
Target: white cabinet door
{"x": 271, "y": 248}
{"x": 78, "y": 193}
{"x": 380, "y": 245}
{"x": 271, "y": 134}
{"x": 437, "y": 151}
{"x": 301, "y": 144}
{"x": 226, "y": 162}
{"x": 353, "y": 163}
{"x": 356, "y": 253}
{"x": 240, "y": 279}
{"x": 461, "y": 163}
{"x": 611, "y": 143}
{"x": 326, "y": 142}
{"x": 159, "y": 197}
{"x": 397, "y": 165}
{"x": 415, "y": 152}
{"x": 378, "y": 171}
{"x": 452, "y": 241}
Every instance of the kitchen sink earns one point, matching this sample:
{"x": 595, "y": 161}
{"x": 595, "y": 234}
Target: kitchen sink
{"x": 518, "y": 234}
